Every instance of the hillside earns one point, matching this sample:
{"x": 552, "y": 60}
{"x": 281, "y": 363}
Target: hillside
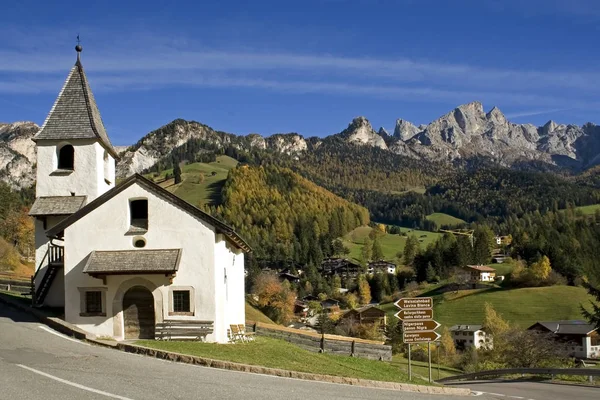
{"x": 201, "y": 182}
{"x": 284, "y": 216}
{"x": 391, "y": 244}
{"x": 521, "y": 307}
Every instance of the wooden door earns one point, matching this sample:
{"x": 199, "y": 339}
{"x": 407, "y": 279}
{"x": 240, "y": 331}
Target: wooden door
{"x": 138, "y": 313}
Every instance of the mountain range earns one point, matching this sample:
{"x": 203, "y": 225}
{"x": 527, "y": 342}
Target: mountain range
{"x": 464, "y": 133}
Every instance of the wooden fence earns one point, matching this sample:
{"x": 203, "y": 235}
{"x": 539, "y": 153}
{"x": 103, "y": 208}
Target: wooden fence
{"x": 332, "y": 344}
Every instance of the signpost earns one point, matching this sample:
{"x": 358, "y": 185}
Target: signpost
{"x": 420, "y": 337}
{"x": 414, "y": 315}
{"x": 418, "y": 325}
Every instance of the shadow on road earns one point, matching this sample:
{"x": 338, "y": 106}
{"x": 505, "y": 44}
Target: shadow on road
{"x": 15, "y": 315}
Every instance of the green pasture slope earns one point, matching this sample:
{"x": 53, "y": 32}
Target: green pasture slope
{"x": 442, "y": 219}
{"x": 521, "y": 307}
{"x": 201, "y": 182}
{"x": 589, "y": 210}
{"x": 390, "y": 244}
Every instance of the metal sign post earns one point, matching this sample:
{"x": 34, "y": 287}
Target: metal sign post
{"x": 409, "y": 369}
{"x": 418, "y": 325}
{"x": 429, "y": 355}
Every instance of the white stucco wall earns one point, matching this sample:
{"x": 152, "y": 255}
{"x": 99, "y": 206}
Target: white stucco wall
{"x": 229, "y": 262}
{"x": 87, "y": 177}
{"x": 486, "y": 276}
{"x": 201, "y": 265}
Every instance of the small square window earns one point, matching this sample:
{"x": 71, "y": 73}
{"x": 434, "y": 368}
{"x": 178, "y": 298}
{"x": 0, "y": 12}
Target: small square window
{"x": 181, "y": 301}
{"x": 93, "y": 302}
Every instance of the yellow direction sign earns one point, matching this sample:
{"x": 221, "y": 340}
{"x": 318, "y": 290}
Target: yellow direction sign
{"x": 420, "y": 337}
{"x": 414, "y": 303}
{"x": 414, "y": 315}
{"x": 420, "y": 326}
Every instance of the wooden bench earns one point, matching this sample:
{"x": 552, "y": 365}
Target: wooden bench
{"x": 171, "y": 329}
{"x": 238, "y": 333}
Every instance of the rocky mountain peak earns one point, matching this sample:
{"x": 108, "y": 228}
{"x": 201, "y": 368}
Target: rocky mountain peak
{"x": 383, "y": 132}
{"x": 360, "y": 131}
{"x": 549, "y": 127}
{"x": 405, "y": 130}
{"x": 496, "y": 116}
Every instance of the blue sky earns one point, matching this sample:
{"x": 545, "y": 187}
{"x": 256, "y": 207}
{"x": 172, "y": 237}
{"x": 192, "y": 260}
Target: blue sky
{"x": 303, "y": 66}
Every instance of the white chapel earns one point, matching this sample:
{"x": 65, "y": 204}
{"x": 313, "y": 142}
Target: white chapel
{"x": 128, "y": 260}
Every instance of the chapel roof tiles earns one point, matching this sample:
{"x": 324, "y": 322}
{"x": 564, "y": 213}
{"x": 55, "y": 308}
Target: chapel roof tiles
{"x": 164, "y": 261}
{"x": 57, "y": 205}
{"x": 75, "y": 114}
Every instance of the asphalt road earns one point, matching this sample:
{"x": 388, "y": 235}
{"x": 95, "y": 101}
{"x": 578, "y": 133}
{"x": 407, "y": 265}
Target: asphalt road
{"x": 499, "y": 389}
{"x": 38, "y": 363}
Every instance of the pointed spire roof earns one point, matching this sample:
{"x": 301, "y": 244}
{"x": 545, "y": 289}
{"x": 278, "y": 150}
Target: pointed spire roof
{"x": 75, "y": 114}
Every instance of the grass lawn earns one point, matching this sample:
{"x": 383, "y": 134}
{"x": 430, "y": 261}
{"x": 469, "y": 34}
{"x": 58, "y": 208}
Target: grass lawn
{"x": 255, "y": 315}
{"x": 442, "y": 219}
{"x": 390, "y": 244}
{"x": 275, "y": 353}
{"x": 16, "y": 296}
{"x": 420, "y": 368}
{"x": 201, "y": 183}
{"x": 589, "y": 210}
{"x": 521, "y": 307}
{"x": 503, "y": 268}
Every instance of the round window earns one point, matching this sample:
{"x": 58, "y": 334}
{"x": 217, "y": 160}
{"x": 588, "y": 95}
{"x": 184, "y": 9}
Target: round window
{"x": 139, "y": 242}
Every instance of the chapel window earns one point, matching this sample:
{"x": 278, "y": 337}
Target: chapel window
{"x": 138, "y": 211}
{"x": 66, "y": 157}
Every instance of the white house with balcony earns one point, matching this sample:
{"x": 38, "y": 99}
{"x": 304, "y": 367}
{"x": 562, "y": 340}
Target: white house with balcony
{"x": 470, "y": 336}
{"x": 130, "y": 260}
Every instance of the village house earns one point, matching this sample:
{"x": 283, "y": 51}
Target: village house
{"x": 477, "y": 273}
{"x": 381, "y": 266}
{"x": 470, "y": 336}
{"x": 125, "y": 261}
{"x": 340, "y": 266}
{"x": 580, "y": 338}
{"x": 366, "y": 315}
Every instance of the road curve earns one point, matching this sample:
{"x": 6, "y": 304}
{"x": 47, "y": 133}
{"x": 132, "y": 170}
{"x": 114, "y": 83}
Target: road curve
{"x": 506, "y": 389}
{"x": 37, "y": 363}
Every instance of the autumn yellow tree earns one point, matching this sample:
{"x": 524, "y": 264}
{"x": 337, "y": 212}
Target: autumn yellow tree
{"x": 447, "y": 345}
{"x": 540, "y": 270}
{"x": 274, "y": 299}
{"x": 364, "y": 290}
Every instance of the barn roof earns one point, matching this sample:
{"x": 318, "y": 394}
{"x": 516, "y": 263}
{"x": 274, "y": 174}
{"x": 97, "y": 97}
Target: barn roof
{"x": 566, "y": 327}
{"x": 56, "y": 205}
{"x": 466, "y": 328}
{"x": 75, "y": 114}
{"x": 132, "y": 262}
{"x": 481, "y": 268}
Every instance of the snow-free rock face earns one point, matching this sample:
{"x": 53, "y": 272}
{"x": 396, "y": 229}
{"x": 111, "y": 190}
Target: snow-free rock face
{"x": 465, "y": 132}
{"x": 468, "y": 131}
{"x": 17, "y": 154}
{"x": 160, "y": 143}
{"x": 360, "y": 131}
{"x": 290, "y": 143}
{"x": 405, "y": 130}
{"x": 383, "y": 132}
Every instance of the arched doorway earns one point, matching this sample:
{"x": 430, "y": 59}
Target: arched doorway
{"x": 138, "y": 313}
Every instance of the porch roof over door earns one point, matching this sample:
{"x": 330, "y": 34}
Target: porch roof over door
{"x": 121, "y": 262}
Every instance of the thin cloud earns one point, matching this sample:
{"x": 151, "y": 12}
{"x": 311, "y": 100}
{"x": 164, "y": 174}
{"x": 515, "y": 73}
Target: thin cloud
{"x": 165, "y": 58}
{"x": 532, "y": 113}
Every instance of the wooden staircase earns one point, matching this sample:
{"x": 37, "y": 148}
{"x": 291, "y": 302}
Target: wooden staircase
{"x": 56, "y": 261}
